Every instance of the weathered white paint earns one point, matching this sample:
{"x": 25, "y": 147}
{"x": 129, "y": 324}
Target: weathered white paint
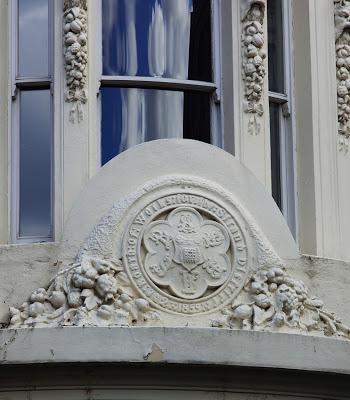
{"x": 22, "y": 269}
{"x": 174, "y": 345}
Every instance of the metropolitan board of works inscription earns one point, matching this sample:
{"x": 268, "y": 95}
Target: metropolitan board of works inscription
{"x": 186, "y": 254}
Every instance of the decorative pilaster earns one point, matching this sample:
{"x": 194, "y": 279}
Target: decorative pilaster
{"x": 253, "y": 56}
{"x": 75, "y": 56}
{"x": 342, "y": 47}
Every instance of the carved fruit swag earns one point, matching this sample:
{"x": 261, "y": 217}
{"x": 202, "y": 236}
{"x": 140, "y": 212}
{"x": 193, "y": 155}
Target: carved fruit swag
{"x": 92, "y": 293}
{"x": 254, "y": 56}
{"x": 276, "y": 301}
{"x": 75, "y": 55}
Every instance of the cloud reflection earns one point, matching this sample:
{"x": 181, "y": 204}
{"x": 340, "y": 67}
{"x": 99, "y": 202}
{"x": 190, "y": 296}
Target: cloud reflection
{"x": 33, "y": 38}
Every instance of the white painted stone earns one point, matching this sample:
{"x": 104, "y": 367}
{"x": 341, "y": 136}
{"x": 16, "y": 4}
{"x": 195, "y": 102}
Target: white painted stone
{"x": 175, "y": 345}
{"x": 178, "y": 251}
{"x": 24, "y": 268}
{"x": 129, "y": 173}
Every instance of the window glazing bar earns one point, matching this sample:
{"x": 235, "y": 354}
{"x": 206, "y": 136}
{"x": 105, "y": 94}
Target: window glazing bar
{"x": 157, "y": 83}
{"x": 278, "y": 97}
{"x": 33, "y": 83}
{"x": 29, "y": 84}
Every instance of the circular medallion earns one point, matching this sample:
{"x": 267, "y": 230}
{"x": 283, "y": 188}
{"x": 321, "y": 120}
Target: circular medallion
{"x": 186, "y": 254}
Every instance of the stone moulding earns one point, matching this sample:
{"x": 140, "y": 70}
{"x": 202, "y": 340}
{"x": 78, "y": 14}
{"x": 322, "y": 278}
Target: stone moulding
{"x": 75, "y": 56}
{"x": 342, "y": 48}
{"x": 178, "y": 250}
{"x": 253, "y": 60}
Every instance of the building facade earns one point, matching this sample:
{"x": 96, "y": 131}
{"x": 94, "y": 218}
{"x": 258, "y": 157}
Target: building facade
{"x": 174, "y": 192}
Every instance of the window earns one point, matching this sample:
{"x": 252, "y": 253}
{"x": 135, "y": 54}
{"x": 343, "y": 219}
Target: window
{"x": 32, "y": 133}
{"x": 280, "y": 104}
{"x": 159, "y": 74}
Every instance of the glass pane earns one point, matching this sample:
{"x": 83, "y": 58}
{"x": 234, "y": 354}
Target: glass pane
{"x": 157, "y": 38}
{"x": 35, "y": 163}
{"x": 275, "y": 46}
{"x": 33, "y": 38}
{"x": 133, "y": 116}
{"x": 275, "y": 153}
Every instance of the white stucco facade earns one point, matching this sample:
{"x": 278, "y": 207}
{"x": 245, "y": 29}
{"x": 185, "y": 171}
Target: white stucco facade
{"x": 171, "y": 266}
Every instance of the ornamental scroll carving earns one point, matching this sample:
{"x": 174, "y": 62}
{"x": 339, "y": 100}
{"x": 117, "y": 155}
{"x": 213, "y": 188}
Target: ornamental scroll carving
{"x": 188, "y": 255}
{"x": 253, "y": 65}
{"x": 342, "y": 47}
{"x": 75, "y": 56}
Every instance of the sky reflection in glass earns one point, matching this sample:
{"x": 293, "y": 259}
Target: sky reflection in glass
{"x": 33, "y": 34}
{"x": 35, "y": 163}
{"x": 133, "y": 116}
{"x": 275, "y": 46}
{"x": 157, "y": 38}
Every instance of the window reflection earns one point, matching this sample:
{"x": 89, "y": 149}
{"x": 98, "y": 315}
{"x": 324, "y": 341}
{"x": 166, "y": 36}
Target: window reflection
{"x": 275, "y": 46}
{"x": 35, "y": 164}
{"x": 157, "y": 38}
{"x": 275, "y": 153}
{"x": 132, "y": 116}
{"x": 33, "y": 34}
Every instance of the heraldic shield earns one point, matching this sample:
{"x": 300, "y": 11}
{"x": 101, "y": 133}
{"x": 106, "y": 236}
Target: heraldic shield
{"x": 186, "y": 253}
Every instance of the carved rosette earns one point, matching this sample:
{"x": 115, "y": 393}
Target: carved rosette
{"x": 253, "y": 64}
{"x": 75, "y": 56}
{"x": 342, "y": 47}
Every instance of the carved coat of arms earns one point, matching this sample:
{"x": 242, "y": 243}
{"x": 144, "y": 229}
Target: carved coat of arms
{"x": 186, "y": 253}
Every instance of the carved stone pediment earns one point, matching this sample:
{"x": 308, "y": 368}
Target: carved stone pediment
{"x": 179, "y": 250}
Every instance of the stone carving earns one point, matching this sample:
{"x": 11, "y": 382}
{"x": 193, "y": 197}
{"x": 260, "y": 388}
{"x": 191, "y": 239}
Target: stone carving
{"x": 178, "y": 251}
{"x": 276, "y": 301}
{"x": 254, "y": 55}
{"x": 75, "y": 55}
{"x": 91, "y": 293}
{"x": 187, "y": 254}
{"x": 193, "y": 261}
{"x": 342, "y": 47}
